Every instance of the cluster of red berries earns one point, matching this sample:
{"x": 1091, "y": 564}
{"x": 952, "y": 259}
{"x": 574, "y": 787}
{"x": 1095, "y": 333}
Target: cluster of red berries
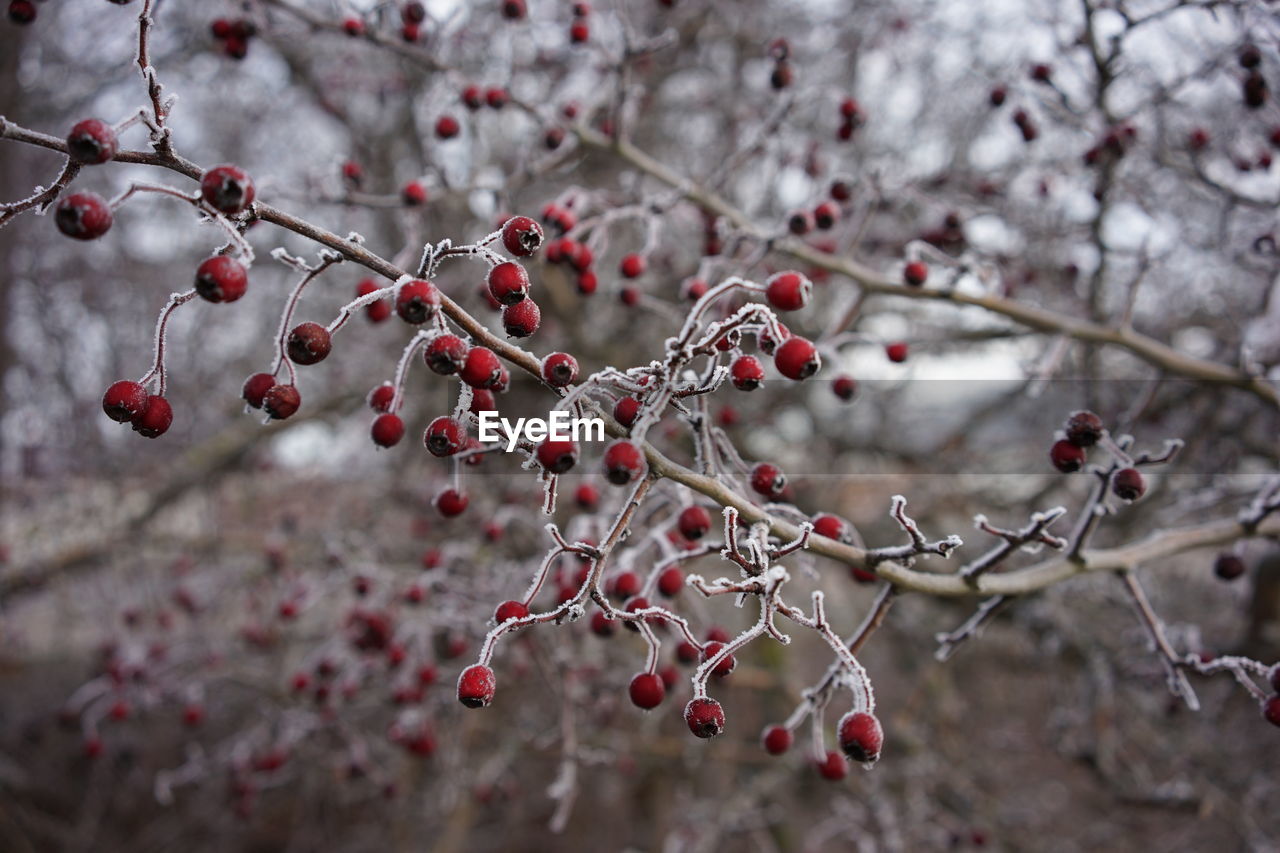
{"x": 823, "y": 217}
{"x": 1083, "y": 430}
{"x": 580, "y": 30}
{"x": 234, "y": 35}
{"x": 412, "y": 15}
{"x": 129, "y": 402}
{"x": 1112, "y": 145}
{"x": 852, "y": 117}
{"x": 1254, "y": 86}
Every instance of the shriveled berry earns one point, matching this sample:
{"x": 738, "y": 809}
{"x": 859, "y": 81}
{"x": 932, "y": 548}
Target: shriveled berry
{"x": 705, "y": 717}
{"x": 647, "y": 690}
{"x": 451, "y": 503}
{"x": 508, "y": 283}
{"x": 797, "y": 358}
{"x": 308, "y": 343}
{"x": 788, "y": 291}
{"x": 860, "y": 736}
{"x": 92, "y": 141}
{"x": 83, "y": 216}
{"x": 521, "y": 236}
{"x": 776, "y": 740}
{"x": 694, "y": 522}
{"x": 387, "y": 430}
{"x": 124, "y": 400}
{"x": 256, "y": 388}
{"x": 1083, "y": 429}
{"x": 281, "y": 401}
{"x": 155, "y": 418}
{"x": 445, "y": 436}
{"x": 521, "y": 319}
{"x": 417, "y": 301}
{"x": 746, "y": 373}
{"x": 1066, "y": 457}
{"x": 481, "y": 369}
{"x": 221, "y": 278}
{"x": 557, "y": 456}
{"x": 476, "y": 686}
{"x": 1129, "y": 484}
{"x": 623, "y": 462}
{"x": 559, "y": 369}
{"x": 228, "y": 189}
{"x": 768, "y": 481}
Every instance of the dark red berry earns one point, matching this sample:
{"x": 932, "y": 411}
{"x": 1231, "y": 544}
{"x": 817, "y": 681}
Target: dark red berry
{"x": 997, "y": 96}
{"x": 281, "y": 401}
{"x": 915, "y": 273}
{"x": 825, "y": 215}
{"x": 579, "y": 31}
{"x": 841, "y": 190}
{"x": 800, "y": 222}
{"x": 451, "y": 503}
{"x": 623, "y": 462}
{"x": 417, "y": 301}
{"x": 496, "y": 97}
{"x": 24, "y": 12}
{"x": 376, "y": 311}
{"x": 860, "y": 736}
{"x": 586, "y": 496}
{"x": 1271, "y": 710}
{"x": 768, "y": 481}
{"x": 476, "y": 686}
{"x": 632, "y": 266}
{"x": 521, "y": 236}
{"x": 694, "y": 522}
{"x": 1083, "y": 429}
{"x": 508, "y": 283}
{"x": 521, "y": 319}
{"x": 704, "y": 717}
{"x": 387, "y": 430}
{"x": 353, "y": 26}
{"x": 797, "y": 358}
{"x": 447, "y": 127}
{"x": 92, "y": 141}
{"x": 513, "y": 10}
{"x": 557, "y": 456}
{"x": 124, "y": 400}
{"x": 845, "y": 387}
{"x": 896, "y": 351}
{"x": 308, "y": 343}
{"x": 256, "y": 388}
{"x": 381, "y": 397}
{"x": 1041, "y": 72}
{"x": 726, "y": 664}
{"x": 746, "y": 372}
{"x": 788, "y": 291}
{"x": 1128, "y": 484}
{"x": 782, "y": 75}
{"x": 473, "y": 97}
{"x": 1255, "y": 90}
{"x": 776, "y": 740}
{"x": 1066, "y": 457}
{"x": 154, "y": 419}
{"x": 482, "y": 401}
{"x": 601, "y": 625}
{"x": 83, "y": 216}
{"x": 509, "y": 610}
{"x": 228, "y": 189}
{"x": 626, "y": 410}
{"x": 445, "y": 354}
{"x": 647, "y": 690}
{"x": 670, "y": 582}
{"x": 1249, "y": 56}
{"x": 833, "y": 767}
{"x": 481, "y": 369}
{"x": 1228, "y": 566}
{"x": 445, "y": 436}
{"x": 587, "y": 282}
{"x": 559, "y": 369}
{"x": 221, "y": 278}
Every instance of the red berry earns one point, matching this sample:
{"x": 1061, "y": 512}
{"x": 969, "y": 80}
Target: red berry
{"x": 841, "y": 190}
{"x": 1066, "y": 457}
{"x": 746, "y": 373}
{"x": 725, "y": 666}
{"x": 587, "y": 282}
{"x": 482, "y": 401}
{"x": 693, "y": 289}
{"x": 376, "y": 311}
{"x": 221, "y": 278}
{"x": 647, "y": 690}
{"x": 308, "y": 343}
{"x": 632, "y": 266}
{"x": 154, "y": 419}
{"x": 1249, "y": 56}
{"x": 860, "y": 736}
{"x": 832, "y": 527}
{"x": 788, "y": 291}
{"x": 629, "y": 296}
{"x": 353, "y": 172}
{"x": 447, "y": 127}
{"x": 833, "y": 767}
{"x": 559, "y": 369}
{"x": 124, "y": 400}
{"x": 513, "y": 10}
{"x": 579, "y": 32}
{"x": 767, "y": 480}
{"x": 473, "y": 97}
{"x": 281, "y": 401}
{"x": 508, "y": 610}
{"x": 445, "y": 354}
{"x": 451, "y": 503}
{"x": 1083, "y": 429}
{"x": 1228, "y": 566}
{"x": 256, "y": 388}
{"x": 521, "y": 236}
{"x": 92, "y": 141}
{"x": 694, "y": 522}
{"x": 1198, "y": 139}
{"x": 782, "y": 75}
{"x": 776, "y": 740}
{"x": 845, "y": 387}
{"x": 522, "y": 319}
{"x": 825, "y": 215}
{"x": 1128, "y": 484}
{"x": 414, "y": 194}
{"x": 353, "y": 26}
{"x": 626, "y": 410}
{"x": 417, "y": 301}
{"x": 83, "y": 216}
{"x": 800, "y": 222}
{"x": 915, "y": 273}
{"x": 626, "y": 586}
{"x": 444, "y": 436}
{"x": 704, "y": 717}
{"x": 557, "y": 456}
{"x": 797, "y": 358}
{"x": 228, "y": 189}
{"x": 601, "y": 625}
{"x": 387, "y": 430}
{"x": 192, "y": 715}
{"x": 476, "y": 686}
{"x": 1271, "y": 710}
{"x": 1041, "y": 72}
{"x": 24, "y": 12}
{"x": 508, "y": 283}
{"x": 381, "y": 397}
{"x": 670, "y": 582}
{"x": 481, "y": 369}
{"x": 496, "y": 98}
{"x": 896, "y": 351}
{"x": 623, "y": 463}
{"x": 580, "y": 257}
{"x": 765, "y": 340}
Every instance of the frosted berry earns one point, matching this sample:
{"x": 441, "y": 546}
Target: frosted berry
{"x": 632, "y": 266}
{"x": 557, "y": 456}
{"x": 482, "y": 401}
{"x": 704, "y": 717}
{"x": 1083, "y": 429}
{"x": 1228, "y": 566}
{"x": 623, "y": 463}
{"x": 833, "y": 767}
{"x": 451, "y": 503}
{"x": 694, "y": 522}
{"x": 83, "y": 216}
{"x": 91, "y": 142}
{"x": 1066, "y": 457}
{"x": 915, "y": 273}
{"x": 647, "y": 690}
{"x": 559, "y": 369}
{"x": 832, "y": 527}
{"x": 1128, "y": 484}
{"x": 281, "y": 401}
{"x": 124, "y": 400}
{"x": 845, "y": 387}
{"x": 387, "y": 430}
{"x": 860, "y": 736}
{"x": 381, "y": 397}
{"x": 509, "y": 610}
{"x": 788, "y": 291}
{"x": 154, "y": 419}
{"x": 508, "y": 283}
{"x": 308, "y": 343}
{"x": 445, "y": 354}
{"x": 413, "y": 194}
{"x": 481, "y": 369}
{"x": 445, "y": 436}
{"x": 776, "y": 740}
{"x": 221, "y": 278}
{"x": 522, "y": 319}
{"x": 626, "y": 410}
{"x": 377, "y": 311}
{"x": 766, "y": 341}
{"x": 256, "y": 388}
{"x": 476, "y": 686}
{"x": 797, "y": 358}
{"x": 726, "y": 664}
{"x": 447, "y": 127}
{"x": 746, "y": 372}
{"x": 521, "y": 236}
{"x": 228, "y": 189}
{"x": 417, "y": 301}
{"x": 768, "y": 481}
